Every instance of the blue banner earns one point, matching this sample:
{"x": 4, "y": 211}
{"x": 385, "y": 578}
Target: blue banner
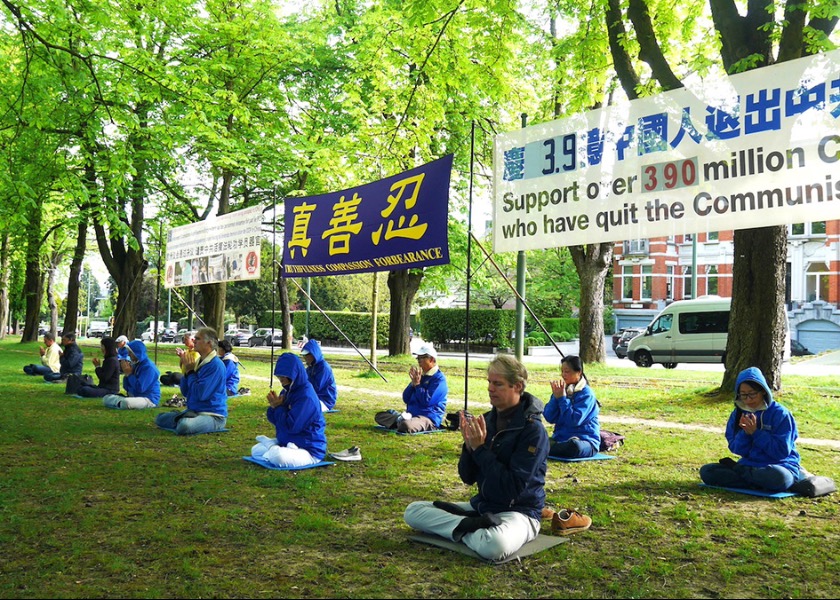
{"x": 395, "y": 223}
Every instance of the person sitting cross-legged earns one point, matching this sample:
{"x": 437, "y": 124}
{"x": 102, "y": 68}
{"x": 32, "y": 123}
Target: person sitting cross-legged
{"x": 320, "y": 375}
{"x": 50, "y": 358}
{"x": 763, "y": 433}
{"x": 141, "y": 381}
{"x": 231, "y": 362}
{"x": 107, "y": 370}
{"x": 203, "y": 385}
{"x": 573, "y": 410}
{"x": 71, "y": 358}
{"x": 504, "y": 453}
{"x": 424, "y": 397}
{"x": 297, "y": 418}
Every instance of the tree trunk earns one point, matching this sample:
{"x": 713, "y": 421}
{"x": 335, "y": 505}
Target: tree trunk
{"x": 214, "y": 294}
{"x": 129, "y": 279}
{"x": 4, "y": 284}
{"x": 403, "y": 285}
{"x": 214, "y": 305}
{"x": 71, "y": 315}
{"x": 757, "y": 318}
{"x": 33, "y": 285}
{"x": 592, "y": 265}
{"x": 51, "y": 273}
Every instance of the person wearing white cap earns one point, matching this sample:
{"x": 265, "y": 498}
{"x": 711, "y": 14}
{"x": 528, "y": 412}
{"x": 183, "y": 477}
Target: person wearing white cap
{"x": 122, "y": 348}
{"x": 424, "y": 397}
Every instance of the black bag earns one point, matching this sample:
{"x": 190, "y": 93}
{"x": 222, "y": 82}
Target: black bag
{"x": 610, "y": 441}
{"x": 814, "y": 486}
{"x": 74, "y": 382}
{"x": 170, "y": 378}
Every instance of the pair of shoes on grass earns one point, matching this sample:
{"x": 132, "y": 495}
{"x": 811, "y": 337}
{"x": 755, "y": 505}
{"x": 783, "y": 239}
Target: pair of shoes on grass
{"x": 350, "y": 455}
{"x": 566, "y": 521}
{"x": 244, "y": 391}
{"x": 176, "y": 402}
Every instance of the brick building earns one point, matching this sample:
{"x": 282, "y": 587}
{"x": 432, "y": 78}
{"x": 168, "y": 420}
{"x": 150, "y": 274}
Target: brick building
{"x": 649, "y": 274}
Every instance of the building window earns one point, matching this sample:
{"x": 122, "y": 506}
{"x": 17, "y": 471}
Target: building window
{"x": 687, "y": 282}
{"x": 627, "y": 283}
{"x": 712, "y": 236}
{"x": 712, "y": 280}
{"x": 816, "y": 282}
{"x": 647, "y": 282}
{"x": 815, "y": 228}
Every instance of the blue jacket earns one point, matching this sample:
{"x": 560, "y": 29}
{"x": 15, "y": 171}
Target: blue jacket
{"x": 774, "y": 442}
{"x": 428, "y": 398}
{"x": 575, "y": 415}
{"x": 72, "y": 360}
{"x": 205, "y": 389}
{"x": 320, "y": 375}
{"x": 299, "y": 419}
{"x": 510, "y": 467}
{"x": 144, "y": 381}
{"x": 231, "y": 362}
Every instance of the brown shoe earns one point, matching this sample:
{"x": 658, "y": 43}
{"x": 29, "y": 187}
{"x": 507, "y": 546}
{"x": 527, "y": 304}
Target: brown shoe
{"x": 548, "y": 513}
{"x": 567, "y": 522}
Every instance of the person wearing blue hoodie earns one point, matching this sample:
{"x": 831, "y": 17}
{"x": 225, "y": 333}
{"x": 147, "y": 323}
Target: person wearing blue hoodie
{"x": 231, "y": 362}
{"x": 424, "y": 397}
{"x": 504, "y": 454}
{"x": 140, "y": 381}
{"x": 763, "y": 433}
{"x": 203, "y": 385}
{"x": 573, "y": 410}
{"x": 320, "y": 374}
{"x": 297, "y": 418}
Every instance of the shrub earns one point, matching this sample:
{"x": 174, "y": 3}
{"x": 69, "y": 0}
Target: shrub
{"x": 355, "y": 325}
{"x": 441, "y": 325}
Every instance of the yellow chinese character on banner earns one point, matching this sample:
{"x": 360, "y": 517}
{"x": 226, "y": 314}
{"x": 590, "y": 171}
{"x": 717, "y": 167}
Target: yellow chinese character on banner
{"x": 412, "y": 230}
{"x": 342, "y": 223}
{"x": 300, "y": 229}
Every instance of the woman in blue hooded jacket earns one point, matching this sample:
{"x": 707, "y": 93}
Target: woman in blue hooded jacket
{"x": 320, "y": 374}
{"x": 763, "y": 433}
{"x": 573, "y": 410}
{"x": 297, "y": 418}
{"x": 141, "y": 381}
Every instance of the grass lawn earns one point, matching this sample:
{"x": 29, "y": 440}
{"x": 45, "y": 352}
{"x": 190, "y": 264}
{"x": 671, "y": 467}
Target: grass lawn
{"x": 97, "y": 502}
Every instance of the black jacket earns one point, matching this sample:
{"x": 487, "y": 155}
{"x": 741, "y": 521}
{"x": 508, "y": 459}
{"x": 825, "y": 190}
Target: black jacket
{"x": 510, "y": 467}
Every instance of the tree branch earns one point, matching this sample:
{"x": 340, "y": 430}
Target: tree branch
{"x": 621, "y": 59}
{"x": 649, "y": 49}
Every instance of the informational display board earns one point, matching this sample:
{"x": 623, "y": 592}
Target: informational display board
{"x": 225, "y": 248}
{"x": 395, "y": 223}
{"x": 755, "y": 149}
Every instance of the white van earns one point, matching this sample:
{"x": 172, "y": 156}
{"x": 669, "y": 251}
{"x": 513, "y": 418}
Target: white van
{"x": 687, "y": 331}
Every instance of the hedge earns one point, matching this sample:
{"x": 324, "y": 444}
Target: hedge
{"x": 355, "y": 326}
{"x": 440, "y": 325}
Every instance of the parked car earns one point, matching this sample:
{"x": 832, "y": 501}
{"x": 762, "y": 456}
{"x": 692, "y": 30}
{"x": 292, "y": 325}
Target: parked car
{"x": 238, "y": 337}
{"x": 266, "y": 336}
{"x": 797, "y": 349}
{"x": 628, "y": 334}
{"x": 169, "y": 335}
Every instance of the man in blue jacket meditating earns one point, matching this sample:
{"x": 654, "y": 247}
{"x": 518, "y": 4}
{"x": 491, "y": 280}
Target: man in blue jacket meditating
{"x": 203, "y": 385}
{"x": 424, "y": 397}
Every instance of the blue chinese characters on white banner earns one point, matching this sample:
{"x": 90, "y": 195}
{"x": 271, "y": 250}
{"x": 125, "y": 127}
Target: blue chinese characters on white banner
{"x": 755, "y": 149}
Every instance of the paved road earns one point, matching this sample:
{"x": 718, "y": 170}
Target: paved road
{"x": 827, "y": 363}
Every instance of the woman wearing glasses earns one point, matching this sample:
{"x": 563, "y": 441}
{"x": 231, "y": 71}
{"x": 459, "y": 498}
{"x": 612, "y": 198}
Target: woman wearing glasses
{"x": 763, "y": 433}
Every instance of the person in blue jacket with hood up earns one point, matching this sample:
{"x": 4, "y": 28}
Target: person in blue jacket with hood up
{"x": 297, "y": 418}
{"x": 320, "y": 374}
{"x": 203, "y": 385}
{"x": 573, "y": 410}
{"x": 763, "y": 433}
{"x": 141, "y": 381}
